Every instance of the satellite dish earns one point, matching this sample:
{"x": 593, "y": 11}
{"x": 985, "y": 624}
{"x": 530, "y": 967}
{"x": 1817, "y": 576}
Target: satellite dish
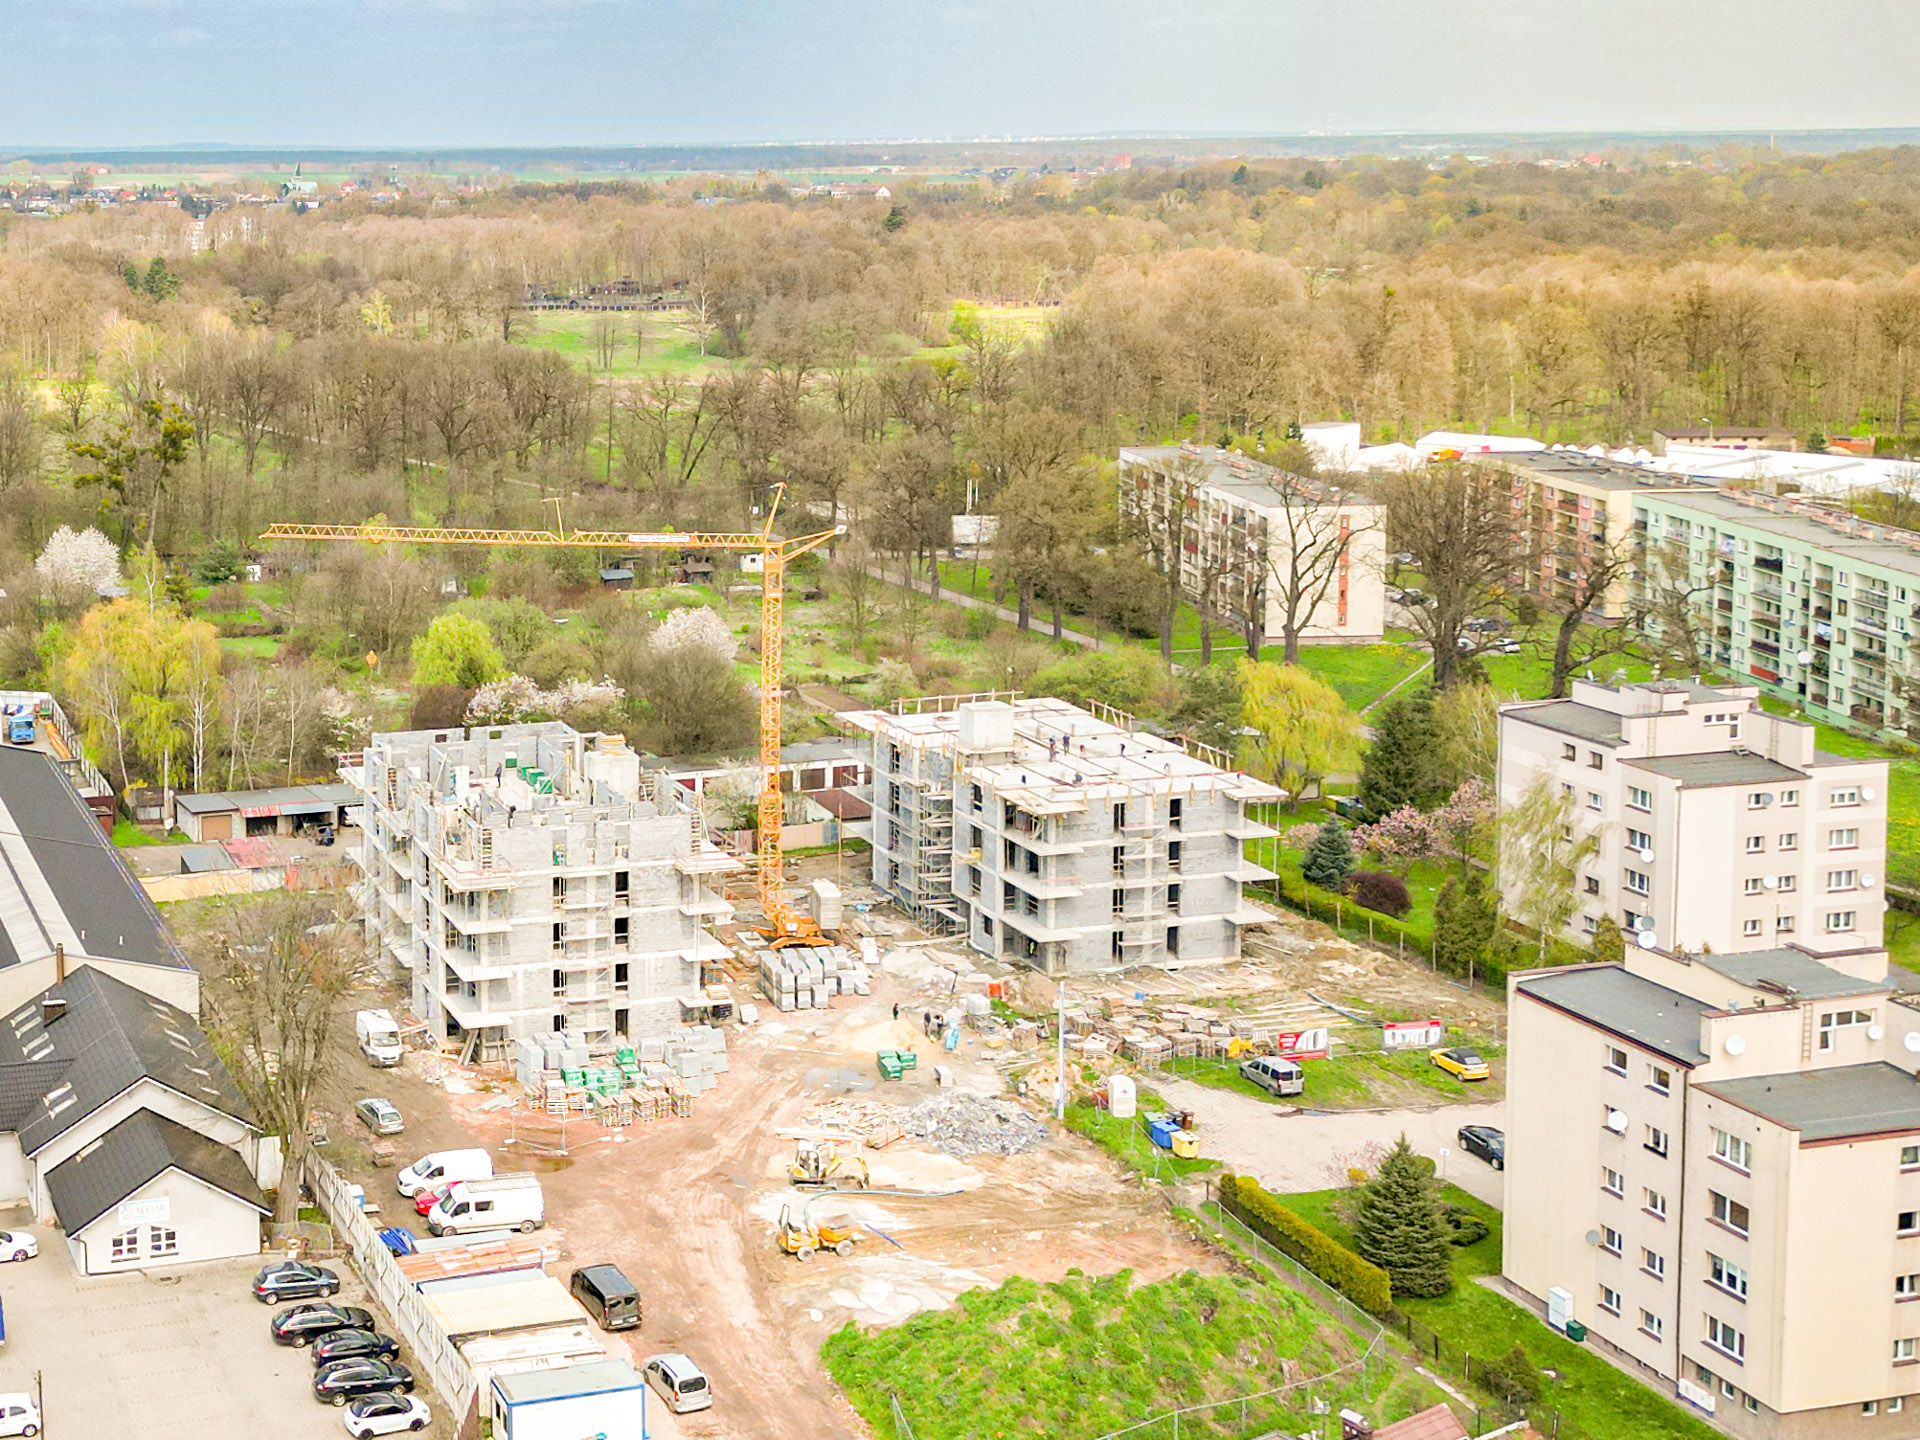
{"x": 1643, "y": 922}
{"x": 1866, "y": 792}
{"x": 1617, "y": 1121}
{"x": 1770, "y": 882}
{"x": 1805, "y": 657}
{"x": 1646, "y": 853}
{"x": 1736, "y": 1045}
{"x": 1593, "y": 1237}
{"x": 1647, "y": 942}
{"x": 1866, "y": 879}
{"x": 1876, "y": 1032}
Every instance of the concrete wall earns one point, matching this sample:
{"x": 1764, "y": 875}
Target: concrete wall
{"x": 208, "y": 1224}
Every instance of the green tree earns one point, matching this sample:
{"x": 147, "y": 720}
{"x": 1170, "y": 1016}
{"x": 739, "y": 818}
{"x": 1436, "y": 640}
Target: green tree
{"x": 1330, "y": 859}
{"x": 160, "y": 282}
{"x": 1400, "y": 1224}
{"x": 1608, "y": 946}
{"x": 133, "y": 466}
{"x": 691, "y": 701}
{"x": 1208, "y": 707}
{"x": 1541, "y": 855}
{"x": 130, "y": 273}
{"x": 1399, "y": 767}
{"x": 457, "y": 650}
{"x": 1466, "y": 916}
{"x": 1297, "y": 728}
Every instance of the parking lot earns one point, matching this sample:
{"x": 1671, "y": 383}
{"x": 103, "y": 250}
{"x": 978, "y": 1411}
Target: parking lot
{"x": 166, "y": 1353}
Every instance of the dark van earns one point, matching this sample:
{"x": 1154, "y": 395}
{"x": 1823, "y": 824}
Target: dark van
{"x": 607, "y": 1295}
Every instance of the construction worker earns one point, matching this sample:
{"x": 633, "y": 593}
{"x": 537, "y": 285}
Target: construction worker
{"x": 926, "y": 1023}
{"x": 896, "y": 1012}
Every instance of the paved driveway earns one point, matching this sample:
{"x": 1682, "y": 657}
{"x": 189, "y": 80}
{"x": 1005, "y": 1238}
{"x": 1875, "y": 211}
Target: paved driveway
{"x": 1292, "y": 1153}
{"x": 181, "y": 1353}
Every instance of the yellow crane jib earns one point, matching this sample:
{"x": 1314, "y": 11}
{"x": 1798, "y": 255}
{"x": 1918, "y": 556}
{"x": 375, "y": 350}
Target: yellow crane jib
{"x": 785, "y": 925}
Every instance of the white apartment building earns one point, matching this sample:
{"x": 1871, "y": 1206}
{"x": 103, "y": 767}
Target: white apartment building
{"x": 523, "y": 885}
{"x": 1235, "y": 525}
{"x": 1721, "y": 827}
{"x": 1069, "y": 841}
{"x": 1713, "y": 1163}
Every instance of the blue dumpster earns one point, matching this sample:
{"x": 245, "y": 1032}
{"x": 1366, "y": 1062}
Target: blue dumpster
{"x": 1161, "y": 1133}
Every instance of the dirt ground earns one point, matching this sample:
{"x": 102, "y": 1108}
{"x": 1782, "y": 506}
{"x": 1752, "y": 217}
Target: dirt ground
{"x": 688, "y": 1207}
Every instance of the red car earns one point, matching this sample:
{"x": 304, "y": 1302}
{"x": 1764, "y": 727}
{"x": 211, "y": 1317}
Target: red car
{"x": 427, "y": 1199}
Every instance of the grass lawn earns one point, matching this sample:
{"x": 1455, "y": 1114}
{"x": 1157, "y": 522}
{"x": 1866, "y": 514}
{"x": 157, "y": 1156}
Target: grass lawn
{"x": 127, "y": 835}
{"x": 1605, "y": 1403}
{"x": 1127, "y": 1140}
{"x": 1083, "y": 1357}
{"x": 667, "y": 345}
{"x": 251, "y": 647}
{"x": 1348, "y": 1082}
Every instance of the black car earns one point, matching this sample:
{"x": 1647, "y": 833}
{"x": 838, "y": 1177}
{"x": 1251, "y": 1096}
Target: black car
{"x": 1486, "y": 1142}
{"x": 301, "y": 1325}
{"x": 345, "y": 1379}
{"x": 291, "y": 1280}
{"x": 353, "y": 1345}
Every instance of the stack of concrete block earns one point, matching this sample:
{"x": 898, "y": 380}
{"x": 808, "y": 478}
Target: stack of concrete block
{"x": 697, "y": 1057}
{"x": 807, "y": 977}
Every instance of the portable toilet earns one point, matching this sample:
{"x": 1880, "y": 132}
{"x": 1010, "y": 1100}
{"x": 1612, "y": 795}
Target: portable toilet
{"x": 1123, "y": 1097}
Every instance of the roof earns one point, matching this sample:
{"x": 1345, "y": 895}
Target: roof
{"x": 1795, "y": 969}
{"x": 1569, "y": 717}
{"x": 61, "y": 881}
{"x": 592, "y": 1377}
{"x": 110, "y": 1037}
{"x": 508, "y": 1300}
{"x": 1595, "y": 472}
{"x": 1843, "y": 1103}
{"x": 1725, "y": 767}
{"x": 203, "y": 859}
{"x": 134, "y": 1153}
{"x": 1805, "y": 527}
{"x": 1436, "y": 1423}
{"x": 842, "y": 804}
{"x": 847, "y": 751}
{"x": 1624, "y": 1004}
{"x": 281, "y": 800}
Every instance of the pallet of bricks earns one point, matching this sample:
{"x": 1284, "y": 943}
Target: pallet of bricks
{"x": 807, "y": 977}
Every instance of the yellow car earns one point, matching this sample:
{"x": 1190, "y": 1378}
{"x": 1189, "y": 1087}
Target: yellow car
{"x": 1461, "y": 1064}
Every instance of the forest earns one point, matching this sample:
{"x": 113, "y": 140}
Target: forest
{"x": 176, "y": 380}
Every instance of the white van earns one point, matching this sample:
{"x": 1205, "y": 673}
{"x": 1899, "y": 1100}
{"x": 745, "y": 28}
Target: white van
{"x": 500, "y": 1202}
{"x": 1274, "y": 1075}
{"x": 444, "y": 1167}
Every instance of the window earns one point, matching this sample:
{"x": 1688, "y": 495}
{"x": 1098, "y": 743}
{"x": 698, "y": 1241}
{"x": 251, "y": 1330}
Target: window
{"x": 1907, "y": 1222}
{"x": 1609, "y": 1299}
{"x": 1730, "y": 1213}
{"x": 1639, "y": 799}
{"x": 1656, "y": 1140}
{"x": 1869, "y": 1407}
{"x": 1654, "y": 1263}
{"x": 1594, "y": 800}
{"x": 1783, "y": 925}
{"x": 1638, "y": 883}
{"x": 162, "y": 1241}
{"x": 1758, "y": 799}
{"x": 1569, "y": 752}
{"x": 1724, "y": 1338}
{"x": 1589, "y": 924}
{"x": 1659, "y": 1079}
{"x": 1789, "y": 883}
{"x": 1596, "y": 761}
{"x": 1173, "y": 855}
{"x": 1656, "y": 1204}
{"x": 1593, "y": 884}
{"x": 622, "y": 931}
{"x": 1790, "y": 840}
{"x": 1616, "y": 1060}
{"x": 1727, "y": 1275}
{"x": 1652, "y": 1324}
{"x": 1910, "y": 1157}
{"x": 1756, "y": 844}
{"x": 1639, "y": 840}
{"x": 1789, "y": 797}
{"x": 1749, "y": 927}
{"x": 1843, "y": 839}
{"x": 1906, "y": 1287}
{"x": 1839, "y": 921}
{"x": 1848, "y": 795}
{"x": 1734, "y": 1150}
{"x": 126, "y": 1246}
{"x": 1612, "y": 1181}
{"x": 1837, "y": 1020}
{"x": 1752, "y": 885}
{"x": 1609, "y": 1239}
{"x": 1903, "y": 1351}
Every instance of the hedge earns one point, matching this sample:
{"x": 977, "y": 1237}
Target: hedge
{"x": 1362, "y": 1282}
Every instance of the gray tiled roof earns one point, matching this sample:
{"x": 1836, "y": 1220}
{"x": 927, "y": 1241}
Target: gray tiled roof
{"x": 1724, "y": 767}
{"x": 141, "y": 1148}
{"x": 1569, "y": 717}
{"x": 1845, "y": 1102}
{"x": 1795, "y": 969}
{"x": 1616, "y": 1000}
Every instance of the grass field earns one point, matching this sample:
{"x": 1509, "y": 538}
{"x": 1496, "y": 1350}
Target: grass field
{"x": 667, "y": 346}
{"x": 1349, "y": 1082}
{"x": 1127, "y": 1140}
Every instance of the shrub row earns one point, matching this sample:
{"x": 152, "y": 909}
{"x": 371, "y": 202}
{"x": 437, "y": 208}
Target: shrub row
{"x": 1366, "y": 1284}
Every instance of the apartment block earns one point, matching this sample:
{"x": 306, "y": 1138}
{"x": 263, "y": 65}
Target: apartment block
{"x": 1237, "y": 526}
{"x": 1814, "y": 605}
{"x": 1068, "y": 840}
{"x": 518, "y": 878}
{"x": 1720, "y": 827}
{"x": 1713, "y": 1163}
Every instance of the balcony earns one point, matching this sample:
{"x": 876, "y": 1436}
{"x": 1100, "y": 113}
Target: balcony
{"x": 1773, "y": 564}
{"x": 1869, "y": 715}
{"x": 471, "y": 1014}
{"x": 472, "y": 920}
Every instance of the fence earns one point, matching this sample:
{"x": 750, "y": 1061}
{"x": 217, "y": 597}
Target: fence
{"x": 433, "y": 1350}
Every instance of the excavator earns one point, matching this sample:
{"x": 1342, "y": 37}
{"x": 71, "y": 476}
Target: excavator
{"x": 822, "y": 1163}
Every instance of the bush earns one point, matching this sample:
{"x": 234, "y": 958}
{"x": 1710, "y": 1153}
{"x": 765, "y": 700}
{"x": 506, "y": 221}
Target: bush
{"x": 1512, "y": 1378}
{"x": 1364, "y": 1284}
{"x": 1381, "y": 891}
{"x": 1329, "y": 860}
{"x": 1467, "y": 1227}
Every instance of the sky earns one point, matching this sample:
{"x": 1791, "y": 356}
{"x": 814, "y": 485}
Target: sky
{"x": 619, "y": 72}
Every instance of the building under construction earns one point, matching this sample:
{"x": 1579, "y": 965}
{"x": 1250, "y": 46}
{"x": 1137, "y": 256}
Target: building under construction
{"x": 1065, "y": 839}
{"x": 518, "y": 878}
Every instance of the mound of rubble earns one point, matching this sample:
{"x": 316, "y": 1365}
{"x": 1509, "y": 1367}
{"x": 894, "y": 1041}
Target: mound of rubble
{"x": 962, "y": 1124}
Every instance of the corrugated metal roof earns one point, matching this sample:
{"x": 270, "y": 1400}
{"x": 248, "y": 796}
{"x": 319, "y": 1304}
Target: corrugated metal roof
{"x": 595, "y": 1377}
{"x": 494, "y": 1304}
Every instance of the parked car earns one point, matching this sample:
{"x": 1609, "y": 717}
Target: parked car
{"x": 19, "y": 1415}
{"x": 443, "y": 1167}
{"x": 1274, "y": 1075}
{"x": 346, "y": 1380}
{"x": 427, "y": 1199}
{"x": 380, "y": 1116}
{"x": 1508, "y": 647}
{"x": 18, "y": 1245}
{"x": 1461, "y": 1064}
{"x": 301, "y": 1325}
{"x": 353, "y": 1345}
{"x": 680, "y": 1382}
{"x": 606, "y": 1294}
{"x": 386, "y": 1414}
{"x": 293, "y": 1280}
{"x": 1486, "y": 1142}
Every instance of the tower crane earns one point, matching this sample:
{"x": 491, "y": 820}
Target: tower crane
{"x": 785, "y": 925}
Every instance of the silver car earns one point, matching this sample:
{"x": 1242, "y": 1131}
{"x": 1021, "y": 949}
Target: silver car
{"x": 1274, "y": 1075}
{"x": 380, "y": 1116}
{"x": 680, "y": 1382}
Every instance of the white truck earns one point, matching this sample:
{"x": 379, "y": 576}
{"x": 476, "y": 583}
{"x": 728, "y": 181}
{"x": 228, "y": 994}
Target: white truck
{"x": 500, "y": 1202}
{"x": 444, "y": 1167}
{"x": 379, "y": 1037}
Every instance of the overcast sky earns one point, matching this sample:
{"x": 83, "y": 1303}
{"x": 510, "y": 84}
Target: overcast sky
{"x": 554, "y": 72}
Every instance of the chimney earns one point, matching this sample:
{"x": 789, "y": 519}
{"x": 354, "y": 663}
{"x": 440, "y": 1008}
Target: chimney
{"x": 59, "y": 963}
{"x": 51, "y": 1009}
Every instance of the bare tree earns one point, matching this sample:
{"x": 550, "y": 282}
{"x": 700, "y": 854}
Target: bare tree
{"x": 1308, "y": 542}
{"x": 278, "y": 971}
{"x": 1673, "y": 612}
{"x": 1456, "y": 522}
{"x": 1600, "y": 566}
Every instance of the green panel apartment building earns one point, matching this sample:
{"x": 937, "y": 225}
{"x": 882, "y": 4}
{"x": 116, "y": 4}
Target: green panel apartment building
{"x": 1819, "y": 608}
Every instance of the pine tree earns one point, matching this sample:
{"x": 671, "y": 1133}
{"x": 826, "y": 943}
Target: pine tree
{"x": 1608, "y": 946}
{"x": 1400, "y": 767}
{"x": 1466, "y": 916}
{"x": 1330, "y": 859}
{"x": 1400, "y": 1224}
